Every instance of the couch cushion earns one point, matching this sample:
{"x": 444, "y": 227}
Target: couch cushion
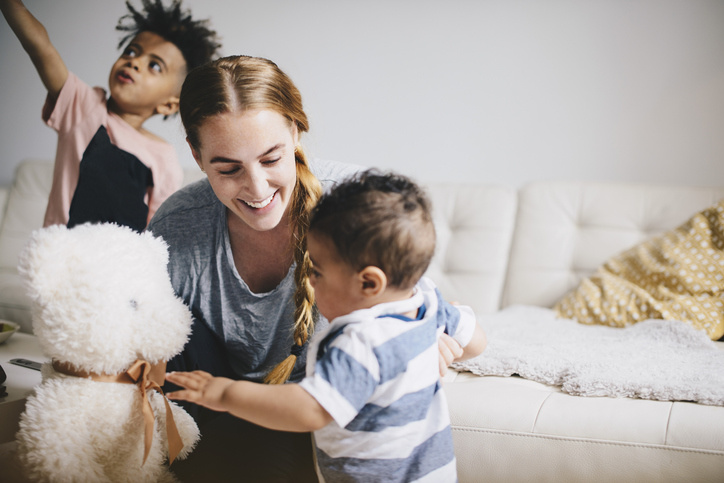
{"x": 565, "y": 230}
{"x": 26, "y": 203}
{"x": 512, "y": 429}
{"x": 25, "y": 208}
{"x": 474, "y": 225}
{"x": 678, "y": 275}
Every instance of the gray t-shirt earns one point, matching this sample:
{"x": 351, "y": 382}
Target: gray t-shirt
{"x": 255, "y": 328}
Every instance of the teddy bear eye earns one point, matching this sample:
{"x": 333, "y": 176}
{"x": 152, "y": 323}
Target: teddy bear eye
{"x": 134, "y": 304}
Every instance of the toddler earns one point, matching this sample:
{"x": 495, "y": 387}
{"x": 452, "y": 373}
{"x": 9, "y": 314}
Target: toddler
{"x": 372, "y": 393}
{"x": 108, "y": 168}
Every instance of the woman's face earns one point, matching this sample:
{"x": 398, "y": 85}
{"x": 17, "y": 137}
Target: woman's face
{"x": 249, "y": 160}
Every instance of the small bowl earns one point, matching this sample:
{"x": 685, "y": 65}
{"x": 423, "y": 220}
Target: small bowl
{"x": 7, "y": 329}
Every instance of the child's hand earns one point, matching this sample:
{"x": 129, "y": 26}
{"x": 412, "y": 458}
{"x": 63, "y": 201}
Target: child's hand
{"x": 450, "y": 350}
{"x": 200, "y": 388}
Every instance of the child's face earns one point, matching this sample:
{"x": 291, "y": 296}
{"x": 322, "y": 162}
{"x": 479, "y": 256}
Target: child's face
{"x": 337, "y": 286}
{"x": 249, "y": 161}
{"x": 148, "y": 74}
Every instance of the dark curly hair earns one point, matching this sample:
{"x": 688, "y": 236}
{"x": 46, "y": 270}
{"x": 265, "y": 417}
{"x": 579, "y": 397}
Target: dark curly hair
{"x": 194, "y": 39}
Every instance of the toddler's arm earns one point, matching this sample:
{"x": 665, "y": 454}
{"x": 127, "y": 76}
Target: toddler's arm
{"x": 283, "y": 407}
{"x": 449, "y": 348}
{"x": 34, "y": 39}
{"x": 476, "y": 345}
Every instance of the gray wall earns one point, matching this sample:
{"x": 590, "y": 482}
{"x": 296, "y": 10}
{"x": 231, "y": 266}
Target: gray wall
{"x": 503, "y": 91}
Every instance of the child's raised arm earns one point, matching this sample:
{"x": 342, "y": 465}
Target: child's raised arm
{"x": 283, "y": 407}
{"x": 34, "y": 39}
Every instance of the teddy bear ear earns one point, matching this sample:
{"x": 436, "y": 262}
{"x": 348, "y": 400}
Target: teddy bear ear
{"x": 43, "y": 249}
{"x": 157, "y": 245}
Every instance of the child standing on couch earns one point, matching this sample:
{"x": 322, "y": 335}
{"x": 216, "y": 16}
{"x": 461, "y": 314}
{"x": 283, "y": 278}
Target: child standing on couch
{"x": 108, "y": 168}
{"x": 372, "y": 393}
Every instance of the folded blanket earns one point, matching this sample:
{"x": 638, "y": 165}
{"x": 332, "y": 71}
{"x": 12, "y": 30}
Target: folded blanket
{"x": 654, "y": 359}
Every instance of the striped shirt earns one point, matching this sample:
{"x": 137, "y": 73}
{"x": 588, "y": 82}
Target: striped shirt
{"x": 376, "y": 373}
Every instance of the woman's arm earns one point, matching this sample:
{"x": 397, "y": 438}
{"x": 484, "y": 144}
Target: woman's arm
{"x": 283, "y": 407}
{"x": 34, "y": 38}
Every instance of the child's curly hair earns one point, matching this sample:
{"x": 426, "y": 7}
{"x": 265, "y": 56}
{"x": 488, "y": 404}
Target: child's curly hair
{"x": 194, "y": 39}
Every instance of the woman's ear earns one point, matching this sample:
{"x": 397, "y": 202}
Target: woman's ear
{"x": 295, "y": 134}
{"x": 373, "y": 280}
{"x": 196, "y": 155}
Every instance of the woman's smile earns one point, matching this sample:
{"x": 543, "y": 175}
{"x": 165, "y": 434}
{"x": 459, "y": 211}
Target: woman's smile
{"x": 260, "y": 204}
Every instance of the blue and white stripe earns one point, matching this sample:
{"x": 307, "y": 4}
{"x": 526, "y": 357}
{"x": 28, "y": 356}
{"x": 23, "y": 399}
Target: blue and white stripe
{"x": 377, "y": 375}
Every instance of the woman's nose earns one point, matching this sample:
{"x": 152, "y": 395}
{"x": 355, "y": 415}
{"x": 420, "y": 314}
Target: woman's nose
{"x": 255, "y": 184}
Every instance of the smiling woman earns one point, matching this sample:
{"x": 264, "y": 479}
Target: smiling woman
{"x": 237, "y": 247}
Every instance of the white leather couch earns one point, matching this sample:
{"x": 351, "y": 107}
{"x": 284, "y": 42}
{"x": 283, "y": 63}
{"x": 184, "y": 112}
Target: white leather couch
{"x": 500, "y": 246}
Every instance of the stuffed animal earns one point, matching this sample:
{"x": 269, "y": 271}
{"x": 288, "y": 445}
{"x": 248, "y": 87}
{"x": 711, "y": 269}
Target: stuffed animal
{"x": 105, "y": 314}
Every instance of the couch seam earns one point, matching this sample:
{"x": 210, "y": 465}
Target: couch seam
{"x": 540, "y": 408}
{"x": 668, "y": 423}
{"x": 593, "y": 441}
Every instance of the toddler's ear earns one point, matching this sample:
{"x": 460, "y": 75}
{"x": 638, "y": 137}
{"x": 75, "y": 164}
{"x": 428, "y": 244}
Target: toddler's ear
{"x": 169, "y": 107}
{"x": 373, "y": 281}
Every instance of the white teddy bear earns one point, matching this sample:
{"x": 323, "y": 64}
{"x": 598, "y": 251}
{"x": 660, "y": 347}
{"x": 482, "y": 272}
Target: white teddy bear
{"x": 102, "y": 303}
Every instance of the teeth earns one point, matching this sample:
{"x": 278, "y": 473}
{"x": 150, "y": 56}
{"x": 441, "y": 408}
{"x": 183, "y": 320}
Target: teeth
{"x": 261, "y": 204}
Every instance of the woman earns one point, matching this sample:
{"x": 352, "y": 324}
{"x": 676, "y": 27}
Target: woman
{"x": 238, "y": 258}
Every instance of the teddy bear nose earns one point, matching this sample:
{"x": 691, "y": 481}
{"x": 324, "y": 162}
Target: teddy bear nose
{"x": 134, "y": 304}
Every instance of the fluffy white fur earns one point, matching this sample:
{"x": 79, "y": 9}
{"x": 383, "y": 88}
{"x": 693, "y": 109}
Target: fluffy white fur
{"x": 665, "y": 360}
{"x": 102, "y": 298}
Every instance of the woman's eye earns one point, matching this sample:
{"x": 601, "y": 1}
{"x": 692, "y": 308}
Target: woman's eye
{"x": 316, "y": 274}
{"x": 270, "y": 162}
{"x": 229, "y": 171}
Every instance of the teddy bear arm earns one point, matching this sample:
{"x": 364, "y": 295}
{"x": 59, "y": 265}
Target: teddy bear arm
{"x": 187, "y": 428}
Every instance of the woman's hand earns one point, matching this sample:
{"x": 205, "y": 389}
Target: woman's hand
{"x": 449, "y": 351}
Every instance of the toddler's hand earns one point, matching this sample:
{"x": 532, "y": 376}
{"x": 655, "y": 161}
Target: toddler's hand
{"x": 449, "y": 351}
{"x": 200, "y": 388}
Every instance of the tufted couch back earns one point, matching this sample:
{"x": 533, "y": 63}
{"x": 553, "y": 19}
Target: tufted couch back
{"x": 497, "y": 246}
{"x": 565, "y": 230}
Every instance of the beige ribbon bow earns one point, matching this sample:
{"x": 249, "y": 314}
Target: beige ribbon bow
{"x": 138, "y": 373}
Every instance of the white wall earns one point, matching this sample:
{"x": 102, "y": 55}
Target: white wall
{"x": 491, "y": 90}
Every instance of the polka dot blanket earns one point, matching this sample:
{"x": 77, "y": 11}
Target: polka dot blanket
{"x": 678, "y": 275}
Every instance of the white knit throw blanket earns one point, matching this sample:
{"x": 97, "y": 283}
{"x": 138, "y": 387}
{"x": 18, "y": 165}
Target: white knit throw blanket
{"x": 653, "y": 359}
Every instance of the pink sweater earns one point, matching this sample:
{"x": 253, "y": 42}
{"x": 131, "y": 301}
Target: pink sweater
{"x": 77, "y": 115}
